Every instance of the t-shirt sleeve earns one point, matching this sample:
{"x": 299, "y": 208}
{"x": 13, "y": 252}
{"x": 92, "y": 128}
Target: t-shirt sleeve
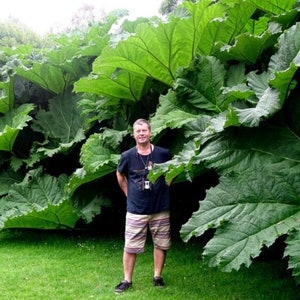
{"x": 122, "y": 166}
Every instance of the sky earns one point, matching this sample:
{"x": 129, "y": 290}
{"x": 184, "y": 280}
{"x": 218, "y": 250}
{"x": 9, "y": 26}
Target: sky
{"x": 43, "y": 15}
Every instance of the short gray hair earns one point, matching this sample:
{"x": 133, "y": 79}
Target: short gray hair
{"x": 140, "y": 122}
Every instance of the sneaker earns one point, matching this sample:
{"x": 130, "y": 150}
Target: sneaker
{"x": 158, "y": 281}
{"x": 123, "y": 286}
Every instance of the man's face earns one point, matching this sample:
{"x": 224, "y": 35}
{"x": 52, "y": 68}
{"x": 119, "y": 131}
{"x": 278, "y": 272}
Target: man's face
{"x": 141, "y": 134}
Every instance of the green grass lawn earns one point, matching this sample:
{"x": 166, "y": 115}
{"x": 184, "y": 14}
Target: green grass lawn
{"x": 65, "y": 266}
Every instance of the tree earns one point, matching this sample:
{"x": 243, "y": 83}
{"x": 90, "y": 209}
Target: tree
{"x": 13, "y": 34}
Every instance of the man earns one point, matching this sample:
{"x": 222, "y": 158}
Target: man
{"x": 147, "y": 204}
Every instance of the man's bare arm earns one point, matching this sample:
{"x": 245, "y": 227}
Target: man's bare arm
{"x": 122, "y": 180}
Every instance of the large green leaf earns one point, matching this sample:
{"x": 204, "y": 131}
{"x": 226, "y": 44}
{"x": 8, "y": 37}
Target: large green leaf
{"x": 153, "y": 51}
{"x": 257, "y": 199}
{"x": 222, "y": 31}
{"x": 285, "y": 62}
{"x": 11, "y": 123}
{"x": 168, "y": 115}
{"x": 274, "y": 6}
{"x": 251, "y": 209}
{"x": 7, "y": 179}
{"x": 122, "y": 84}
{"x": 181, "y": 167}
{"x": 98, "y": 158}
{"x": 250, "y": 36}
{"x": 230, "y": 148}
{"x": 199, "y": 88}
{"x": 267, "y": 106}
{"x": 81, "y": 177}
{"x": 282, "y": 67}
{"x": 6, "y": 96}
{"x": 56, "y": 69}
{"x": 47, "y": 76}
{"x": 60, "y": 216}
{"x": 148, "y": 57}
{"x": 249, "y": 47}
{"x": 99, "y": 151}
{"x": 62, "y": 125}
{"x": 37, "y": 202}
{"x": 293, "y": 253}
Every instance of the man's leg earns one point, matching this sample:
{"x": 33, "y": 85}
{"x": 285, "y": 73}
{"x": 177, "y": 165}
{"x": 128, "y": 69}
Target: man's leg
{"x": 159, "y": 261}
{"x": 160, "y": 230}
{"x": 135, "y": 238}
{"x": 128, "y": 265}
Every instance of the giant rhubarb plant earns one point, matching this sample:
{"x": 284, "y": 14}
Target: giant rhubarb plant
{"x": 227, "y": 72}
{"x": 231, "y": 68}
{"x": 246, "y": 130}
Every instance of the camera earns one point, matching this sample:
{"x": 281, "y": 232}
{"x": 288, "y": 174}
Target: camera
{"x": 143, "y": 184}
{"x": 147, "y": 185}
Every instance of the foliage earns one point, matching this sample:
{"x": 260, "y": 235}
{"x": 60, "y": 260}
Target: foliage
{"x": 42, "y": 122}
{"x": 220, "y": 91}
{"x": 13, "y": 34}
{"x": 40, "y": 198}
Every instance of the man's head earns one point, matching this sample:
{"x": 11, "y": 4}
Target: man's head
{"x": 141, "y": 131}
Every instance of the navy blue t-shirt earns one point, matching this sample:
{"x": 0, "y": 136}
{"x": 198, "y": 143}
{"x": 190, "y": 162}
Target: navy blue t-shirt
{"x": 140, "y": 200}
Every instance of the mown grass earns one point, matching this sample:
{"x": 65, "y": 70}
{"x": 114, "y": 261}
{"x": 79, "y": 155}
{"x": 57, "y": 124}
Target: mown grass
{"x": 68, "y": 266}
